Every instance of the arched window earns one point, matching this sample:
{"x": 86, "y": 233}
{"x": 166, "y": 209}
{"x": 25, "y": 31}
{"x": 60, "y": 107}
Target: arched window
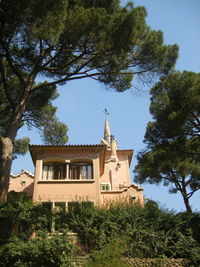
{"x": 80, "y": 170}
{"x": 62, "y": 170}
{"x": 54, "y": 171}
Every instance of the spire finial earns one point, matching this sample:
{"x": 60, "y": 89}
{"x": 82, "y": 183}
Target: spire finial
{"x": 106, "y": 112}
{"x": 106, "y": 138}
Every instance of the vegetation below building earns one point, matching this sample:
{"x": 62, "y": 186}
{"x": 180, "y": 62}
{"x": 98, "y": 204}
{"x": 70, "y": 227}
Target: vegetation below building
{"x": 105, "y": 234}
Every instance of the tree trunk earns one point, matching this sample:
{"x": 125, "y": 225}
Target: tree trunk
{"x": 187, "y": 203}
{"x": 185, "y": 195}
{"x": 6, "y": 152}
{"x": 6, "y": 149}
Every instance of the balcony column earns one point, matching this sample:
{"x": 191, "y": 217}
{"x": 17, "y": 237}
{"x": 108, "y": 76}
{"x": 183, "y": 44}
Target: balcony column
{"x": 67, "y": 176}
{"x": 38, "y": 176}
{"x": 96, "y": 177}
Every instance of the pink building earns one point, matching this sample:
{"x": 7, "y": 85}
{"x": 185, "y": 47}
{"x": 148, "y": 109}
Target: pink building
{"x": 79, "y": 173}
{"x": 22, "y": 182}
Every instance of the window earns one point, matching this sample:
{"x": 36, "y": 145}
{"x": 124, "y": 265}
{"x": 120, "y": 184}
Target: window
{"x": 74, "y": 206}
{"x": 105, "y": 187}
{"x": 47, "y": 206}
{"x": 60, "y": 206}
{"x": 77, "y": 207}
{"x": 47, "y": 214}
{"x": 80, "y": 170}
{"x": 61, "y": 170}
{"x": 23, "y": 183}
{"x": 55, "y": 212}
{"x": 54, "y": 171}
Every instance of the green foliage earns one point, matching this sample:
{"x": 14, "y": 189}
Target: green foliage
{"x": 15, "y": 212}
{"x": 40, "y": 113}
{"x": 21, "y": 146}
{"x": 195, "y": 256}
{"x": 121, "y": 229}
{"x": 68, "y": 39}
{"x": 55, "y": 133}
{"x": 175, "y": 105}
{"x": 190, "y": 221}
{"x": 43, "y": 250}
{"x": 173, "y": 147}
{"x": 19, "y": 216}
{"x": 148, "y": 232}
{"x": 110, "y": 255}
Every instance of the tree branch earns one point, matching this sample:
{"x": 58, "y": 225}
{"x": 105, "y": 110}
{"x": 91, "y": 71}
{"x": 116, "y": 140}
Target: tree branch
{"x": 5, "y": 86}
{"x": 12, "y": 65}
{"x": 191, "y": 193}
{"x": 82, "y": 75}
{"x": 197, "y": 123}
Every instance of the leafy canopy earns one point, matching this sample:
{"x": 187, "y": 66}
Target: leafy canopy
{"x": 40, "y": 113}
{"x": 66, "y": 40}
{"x": 173, "y": 144}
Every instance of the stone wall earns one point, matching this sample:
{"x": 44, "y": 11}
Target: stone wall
{"x": 159, "y": 262}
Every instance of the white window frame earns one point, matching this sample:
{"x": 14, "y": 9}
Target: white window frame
{"x": 105, "y": 184}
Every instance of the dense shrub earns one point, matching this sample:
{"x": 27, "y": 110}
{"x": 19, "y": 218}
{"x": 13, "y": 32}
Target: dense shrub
{"x": 148, "y": 232}
{"x": 15, "y": 214}
{"x": 19, "y": 216}
{"x": 44, "y": 250}
{"x": 110, "y": 256}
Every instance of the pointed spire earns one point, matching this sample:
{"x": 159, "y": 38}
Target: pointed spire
{"x": 113, "y": 149}
{"x": 107, "y": 131}
{"x": 106, "y": 139}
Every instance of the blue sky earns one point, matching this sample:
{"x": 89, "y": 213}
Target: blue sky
{"x": 81, "y": 103}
